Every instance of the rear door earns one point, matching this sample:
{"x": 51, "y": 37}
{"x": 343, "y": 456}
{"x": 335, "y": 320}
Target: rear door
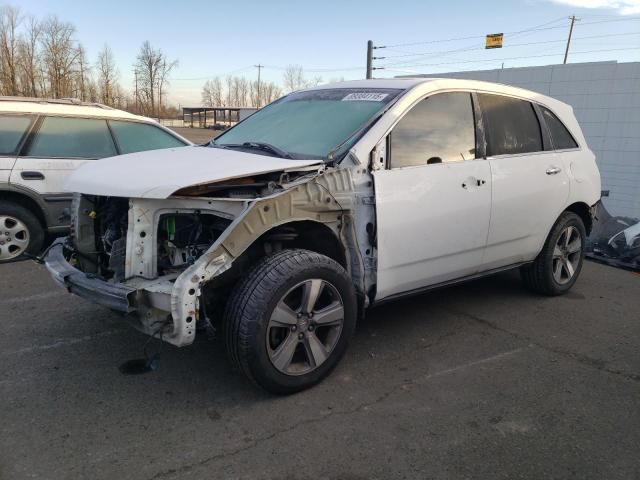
{"x": 56, "y": 147}
{"x": 530, "y": 184}
{"x": 434, "y": 199}
{"x": 13, "y": 131}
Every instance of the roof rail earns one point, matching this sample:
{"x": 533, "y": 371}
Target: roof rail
{"x": 56, "y": 101}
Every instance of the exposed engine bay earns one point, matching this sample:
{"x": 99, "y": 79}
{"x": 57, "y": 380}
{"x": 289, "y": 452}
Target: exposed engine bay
{"x": 172, "y": 262}
{"x": 184, "y": 237}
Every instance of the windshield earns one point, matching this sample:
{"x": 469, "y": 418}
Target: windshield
{"x": 309, "y": 124}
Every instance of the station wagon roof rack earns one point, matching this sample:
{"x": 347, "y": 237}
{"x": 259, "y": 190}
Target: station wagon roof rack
{"x": 56, "y": 101}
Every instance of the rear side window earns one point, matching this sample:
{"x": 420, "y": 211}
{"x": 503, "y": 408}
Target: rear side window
{"x": 12, "y": 129}
{"x": 561, "y": 137}
{"x": 135, "y": 137}
{"x": 72, "y": 138}
{"x": 438, "y": 129}
{"x": 512, "y": 125}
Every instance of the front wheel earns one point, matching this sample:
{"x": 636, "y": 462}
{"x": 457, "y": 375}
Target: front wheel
{"x": 558, "y": 265}
{"x": 290, "y": 320}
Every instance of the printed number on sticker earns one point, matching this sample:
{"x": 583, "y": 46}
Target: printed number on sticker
{"x": 365, "y": 97}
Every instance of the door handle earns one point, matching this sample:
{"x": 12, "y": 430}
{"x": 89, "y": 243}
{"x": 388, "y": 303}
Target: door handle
{"x": 27, "y": 175}
{"x": 473, "y": 182}
{"x": 553, "y": 170}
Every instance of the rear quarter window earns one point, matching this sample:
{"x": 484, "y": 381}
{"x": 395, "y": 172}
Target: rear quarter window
{"x": 64, "y": 137}
{"x": 136, "y": 137}
{"x": 12, "y": 129}
{"x": 560, "y": 135}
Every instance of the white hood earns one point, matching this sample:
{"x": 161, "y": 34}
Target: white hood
{"x": 159, "y": 173}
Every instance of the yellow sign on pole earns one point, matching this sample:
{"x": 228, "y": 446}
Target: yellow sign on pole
{"x": 494, "y": 40}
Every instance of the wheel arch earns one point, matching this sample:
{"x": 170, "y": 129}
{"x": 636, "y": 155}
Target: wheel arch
{"x": 584, "y": 212}
{"x": 25, "y": 200}
{"x": 307, "y": 235}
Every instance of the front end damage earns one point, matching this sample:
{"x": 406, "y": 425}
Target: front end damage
{"x": 169, "y": 264}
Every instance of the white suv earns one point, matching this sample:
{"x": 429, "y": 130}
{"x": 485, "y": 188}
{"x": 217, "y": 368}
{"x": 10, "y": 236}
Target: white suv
{"x": 327, "y": 202}
{"x": 41, "y": 143}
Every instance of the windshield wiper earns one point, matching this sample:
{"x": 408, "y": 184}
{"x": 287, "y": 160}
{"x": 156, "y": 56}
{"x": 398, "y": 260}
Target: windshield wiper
{"x": 265, "y": 147}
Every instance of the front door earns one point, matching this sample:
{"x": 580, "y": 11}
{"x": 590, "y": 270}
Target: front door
{"x": 433, "y": 200}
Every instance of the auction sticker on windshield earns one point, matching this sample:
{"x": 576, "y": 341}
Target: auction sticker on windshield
{"x": 365, "y": 97}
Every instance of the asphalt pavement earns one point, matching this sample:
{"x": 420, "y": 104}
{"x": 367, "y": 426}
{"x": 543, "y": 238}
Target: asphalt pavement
{"x": 483, "y": 380}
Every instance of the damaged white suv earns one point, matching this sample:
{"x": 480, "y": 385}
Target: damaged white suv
{"x": 287, "y": 227}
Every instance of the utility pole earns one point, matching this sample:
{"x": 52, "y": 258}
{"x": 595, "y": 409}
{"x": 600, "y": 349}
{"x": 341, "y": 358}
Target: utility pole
{"x": 566, "y": 52}
{"x": 135, "y": 73}
{"x": 259, "y": 67}
{"x": 369, "y": 59}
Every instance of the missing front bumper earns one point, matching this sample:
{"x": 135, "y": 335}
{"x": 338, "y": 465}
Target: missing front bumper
{"x": 116, "y": 297}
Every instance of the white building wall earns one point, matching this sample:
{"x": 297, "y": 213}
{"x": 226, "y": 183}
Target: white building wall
{"x": 605, "y": 97}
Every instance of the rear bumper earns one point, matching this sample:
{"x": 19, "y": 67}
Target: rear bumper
{"x": 116, "y": 297}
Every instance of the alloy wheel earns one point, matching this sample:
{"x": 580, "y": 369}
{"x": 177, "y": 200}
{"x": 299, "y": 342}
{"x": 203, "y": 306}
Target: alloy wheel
{"x": 567, "y": 254}
{"x": 305, "y": 327}
{"x": 14, "y": 237}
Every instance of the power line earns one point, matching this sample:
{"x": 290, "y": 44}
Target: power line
{"x": 532, "y": 29}
{"x": 544, "y": 42}
{"x": 217, "y": 75}
{"x": 515, "y": 58}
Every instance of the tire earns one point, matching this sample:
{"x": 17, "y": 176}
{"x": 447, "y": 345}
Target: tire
{"x": 557, "y": 267}
{"x": 260, "y": 338}
{"x": 20, "y": 232}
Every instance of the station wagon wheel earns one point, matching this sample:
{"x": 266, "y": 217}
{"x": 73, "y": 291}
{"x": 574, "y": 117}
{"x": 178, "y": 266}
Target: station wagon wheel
{"x": 558, "y": 265}
{"x": 20, "y": 232}
{"x": 304, "y": 327}
{"x": 14, "y": 237}
{"x": 289, "y": 321}
{"x": 567, "y": 255}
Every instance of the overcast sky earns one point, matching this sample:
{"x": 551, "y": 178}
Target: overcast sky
{"x": 328, "y": 38}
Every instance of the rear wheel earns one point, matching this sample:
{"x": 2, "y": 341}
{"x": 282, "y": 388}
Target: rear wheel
{"x": 558, "y": 265}
{"x": 20, "y": 232}
{"x": 289, "y": 321}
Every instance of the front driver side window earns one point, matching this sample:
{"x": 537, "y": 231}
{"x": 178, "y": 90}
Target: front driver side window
{"x": 438, "y": 129}
{"x": 137, "y": 137}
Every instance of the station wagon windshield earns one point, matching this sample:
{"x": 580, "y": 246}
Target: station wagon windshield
{"x": 310, "y": 124}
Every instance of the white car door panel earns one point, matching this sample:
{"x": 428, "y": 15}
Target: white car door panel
{"x": 434, "y": 202}
{"x": 44, "y": 175}
{"x": 526, "y": 202}
{"x": 433, "y": 222}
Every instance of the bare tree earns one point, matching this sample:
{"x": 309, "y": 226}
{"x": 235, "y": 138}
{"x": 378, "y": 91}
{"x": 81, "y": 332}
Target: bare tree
{"x": 242, "y": 84}
{"x": 82, "y": 74}
{"x": 229, "y": 91}
{"x": 59, "y": 54}
{"x": 213, "y": 93}
{"x": 315, "y": 81}
{"x": 163, "y": 79}
{"x": 153, "y": 69}
{"x": 293, "y": 78}
{"x": 269, "y": 92}
{"x": 10, "y": 20}
{"x": 30, "y": 76}
{"x": 107, "y": 76}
